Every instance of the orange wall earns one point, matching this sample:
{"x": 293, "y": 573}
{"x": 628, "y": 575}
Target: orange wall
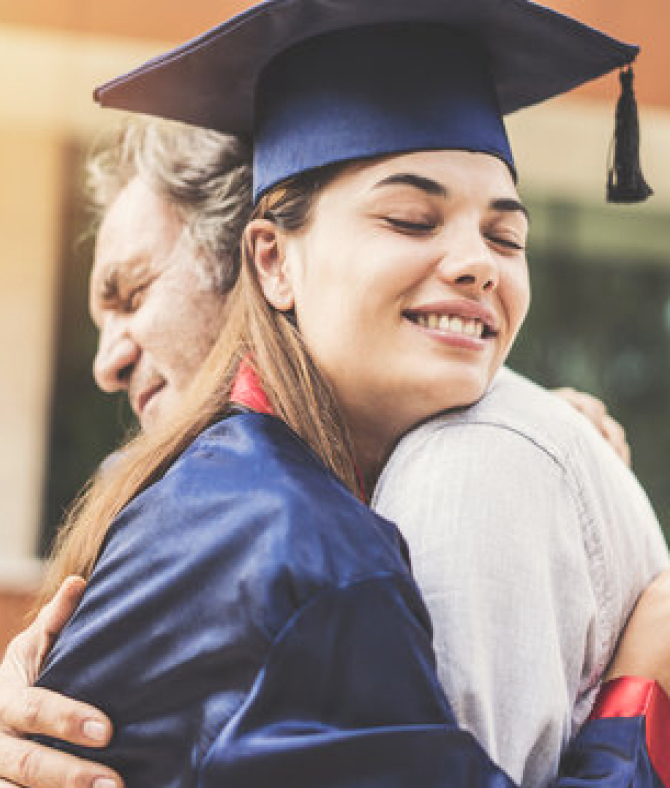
{"x": 646, "y": 22}
{"x": 14, "y": 607}
{"x": 158, "y": 20}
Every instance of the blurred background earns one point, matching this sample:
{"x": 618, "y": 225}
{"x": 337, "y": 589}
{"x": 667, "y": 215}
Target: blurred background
{"x": 600, "y": 318}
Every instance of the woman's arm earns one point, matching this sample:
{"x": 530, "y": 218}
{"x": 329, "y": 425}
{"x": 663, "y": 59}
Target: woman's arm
{"x": 348, "y": 698}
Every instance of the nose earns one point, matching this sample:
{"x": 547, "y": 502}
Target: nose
{"x": 116, "y": 357}
{"x": 468, "y": 262}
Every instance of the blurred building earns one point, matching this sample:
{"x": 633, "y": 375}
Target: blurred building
{"x": 601, "y": 318}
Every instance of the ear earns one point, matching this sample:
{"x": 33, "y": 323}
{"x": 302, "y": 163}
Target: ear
{"x": 266, "y": 243}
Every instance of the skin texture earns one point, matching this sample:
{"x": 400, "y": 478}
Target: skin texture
{"x": 144, "y": 290}
{"x": 30, "y": 710}
{"x": 438, "y": 232}
{"x": 638, "y": 654}
{"x": 163, "y": 322}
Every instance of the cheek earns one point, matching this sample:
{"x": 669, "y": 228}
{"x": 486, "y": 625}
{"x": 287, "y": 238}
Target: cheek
{"x": 200, "y": 328}
{"x": 319, "y": 286}
{"x": 180, "y": 331}
{"x": 346, "y": 301}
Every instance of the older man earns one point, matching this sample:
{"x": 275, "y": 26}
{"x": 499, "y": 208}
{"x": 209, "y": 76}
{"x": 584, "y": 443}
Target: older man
{"x": 173, "y": 200}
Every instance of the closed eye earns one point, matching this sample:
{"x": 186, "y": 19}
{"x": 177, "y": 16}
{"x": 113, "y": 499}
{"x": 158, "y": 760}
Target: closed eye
{"x": 406, "y": 226}
{"x": 506, "y": 242}
{"x": 133, "y": 300}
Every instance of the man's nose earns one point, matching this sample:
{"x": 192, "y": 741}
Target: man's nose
{"x": 468, "y": 262}
{"x": 114, "y": 361}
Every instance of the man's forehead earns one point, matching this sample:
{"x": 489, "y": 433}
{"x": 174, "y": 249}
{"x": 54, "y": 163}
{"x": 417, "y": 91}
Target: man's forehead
{"x": 138, "y": 235}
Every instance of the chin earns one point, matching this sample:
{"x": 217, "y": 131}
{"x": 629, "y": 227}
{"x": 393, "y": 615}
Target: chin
{"x": 459, "y": 389}
{"x": 150, "y": 419}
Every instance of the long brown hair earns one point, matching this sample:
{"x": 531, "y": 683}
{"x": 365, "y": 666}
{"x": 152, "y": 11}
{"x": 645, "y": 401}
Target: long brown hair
{"x": 255, "y": 331}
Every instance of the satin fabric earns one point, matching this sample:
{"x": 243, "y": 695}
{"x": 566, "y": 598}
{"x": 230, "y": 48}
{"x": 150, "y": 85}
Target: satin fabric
{"x": 250, "y": 623}
{"x": 633, "y": 696}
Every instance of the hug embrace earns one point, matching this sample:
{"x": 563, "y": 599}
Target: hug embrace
{"x": 248, "y": 619}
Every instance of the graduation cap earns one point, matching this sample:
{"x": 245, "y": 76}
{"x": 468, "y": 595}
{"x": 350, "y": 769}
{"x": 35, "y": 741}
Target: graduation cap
{"x": 322, "y": 81}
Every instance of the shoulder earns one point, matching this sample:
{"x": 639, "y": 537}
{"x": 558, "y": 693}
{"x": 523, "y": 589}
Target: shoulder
{"x": 515, "y": 423}
{"x": 521, "y": 440}
{"x": 243, "y": 531}
{"x": 247, "y": 495}
{"x": 515, "y": 416}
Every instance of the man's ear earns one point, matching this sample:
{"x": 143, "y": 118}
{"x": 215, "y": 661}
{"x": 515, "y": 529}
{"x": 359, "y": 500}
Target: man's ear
{"x": 266, "y": 243}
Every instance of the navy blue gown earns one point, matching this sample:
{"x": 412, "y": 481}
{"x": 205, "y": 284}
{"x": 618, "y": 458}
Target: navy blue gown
{"x": 249, "y": 623}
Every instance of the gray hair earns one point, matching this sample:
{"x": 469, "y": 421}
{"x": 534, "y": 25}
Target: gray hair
{"x": 204, "y": 175}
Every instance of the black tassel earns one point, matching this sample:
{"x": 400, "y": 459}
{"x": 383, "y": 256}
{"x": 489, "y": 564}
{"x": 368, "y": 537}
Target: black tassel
{"x": 625, "y": 181}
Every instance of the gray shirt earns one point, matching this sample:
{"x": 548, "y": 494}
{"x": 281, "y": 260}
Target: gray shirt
{"x": 531, "y": 541}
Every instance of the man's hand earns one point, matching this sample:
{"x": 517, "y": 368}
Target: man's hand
{"x": 25, "y": 709}
{"x": 596, "y": 412}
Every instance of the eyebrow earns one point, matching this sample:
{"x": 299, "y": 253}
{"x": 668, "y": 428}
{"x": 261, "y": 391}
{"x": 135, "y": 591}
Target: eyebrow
{"x": 427, "y": 185}
{"x": 108, "y": 290}
{"x": 510, "y": 205}
{"x": 436, "y": 189}
{"x": 118, "y": 276}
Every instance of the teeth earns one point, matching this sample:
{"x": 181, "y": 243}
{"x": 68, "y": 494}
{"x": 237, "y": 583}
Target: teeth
{"x": 454, "y": 324}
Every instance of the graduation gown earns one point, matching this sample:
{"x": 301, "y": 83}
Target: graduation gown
{"x": 250, "y": 623}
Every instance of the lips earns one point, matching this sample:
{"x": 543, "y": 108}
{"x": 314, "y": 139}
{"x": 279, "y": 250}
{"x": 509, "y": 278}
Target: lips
{"x": 141, "y": 400}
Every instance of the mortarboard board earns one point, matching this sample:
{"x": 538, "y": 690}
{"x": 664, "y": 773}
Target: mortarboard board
{"x": 321, "y": 81}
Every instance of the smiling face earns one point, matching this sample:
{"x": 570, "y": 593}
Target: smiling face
{"x": 156, "y": 318}
{"x": 409, "y": 285}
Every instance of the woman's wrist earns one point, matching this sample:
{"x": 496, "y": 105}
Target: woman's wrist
{"x": 637, "y": 696}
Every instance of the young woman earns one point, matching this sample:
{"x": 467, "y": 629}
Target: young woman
{"x": 248, "y": 620}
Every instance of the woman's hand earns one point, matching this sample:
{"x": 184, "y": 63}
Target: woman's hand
{"x": 596, "y": 412}
{"x": 25, "y": 709}
{"x": 644, "y": 647}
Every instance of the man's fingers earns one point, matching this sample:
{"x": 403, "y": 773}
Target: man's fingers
{"x": 29, "y": 710}
{"x": 615, "y": 434}
{"x": 55, "y": 615}
{"x": 34, "y": 710}
{"x": 26, "y": 652}
{"x": 28, "y": 764}
{"x": 590, "y": 406}
{"x": 596, "y": 411}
